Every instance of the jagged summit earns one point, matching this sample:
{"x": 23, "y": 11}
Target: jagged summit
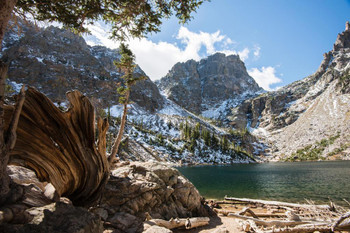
{"x": 343, "y": 39}
{"x": 337, "y": 58}
{"x": 209, "y": 87}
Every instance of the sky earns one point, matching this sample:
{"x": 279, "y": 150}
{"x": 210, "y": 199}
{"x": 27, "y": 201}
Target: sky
{"x": 280, "y": 41}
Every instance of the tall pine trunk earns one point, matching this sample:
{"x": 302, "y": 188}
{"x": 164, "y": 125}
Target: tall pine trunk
{"x": 6, "y": 8}
{"x": 117, "y": 141}
{"x": 7, "y": 139}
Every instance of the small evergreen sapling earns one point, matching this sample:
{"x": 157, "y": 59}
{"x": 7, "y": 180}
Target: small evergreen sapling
{"x": 127, "y": 66}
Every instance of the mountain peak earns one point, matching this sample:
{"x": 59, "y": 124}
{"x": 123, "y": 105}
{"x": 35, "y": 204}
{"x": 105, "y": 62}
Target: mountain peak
{"x": 211, "y": 83}
{"x": 343, "y": 39}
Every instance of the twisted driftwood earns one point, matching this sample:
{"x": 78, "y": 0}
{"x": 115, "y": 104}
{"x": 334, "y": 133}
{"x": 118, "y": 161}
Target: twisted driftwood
{"x": 188, "y": 223}
{"x": 61, "y": 147}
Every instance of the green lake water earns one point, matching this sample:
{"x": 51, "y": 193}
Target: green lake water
{"x": 274, "y": 181}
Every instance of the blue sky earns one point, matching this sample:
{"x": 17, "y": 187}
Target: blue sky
{"x": 280, "y": 41}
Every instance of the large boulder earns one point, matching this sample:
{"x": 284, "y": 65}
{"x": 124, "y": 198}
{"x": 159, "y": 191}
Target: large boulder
{"x": 149, "y": 189}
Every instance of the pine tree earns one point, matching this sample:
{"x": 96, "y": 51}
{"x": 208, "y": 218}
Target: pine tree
{"x": 127, "y": 66}
{"x": 196, "y": 131}
{"x": 224, "y": 144}
{"x": 213, "y": 141}
{"x": 205, "y": 135}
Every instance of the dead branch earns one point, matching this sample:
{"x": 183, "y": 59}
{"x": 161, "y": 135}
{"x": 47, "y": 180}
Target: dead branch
{"x": 346, "y": 201}
{"x": 248, "y": 210}
{"x": 259, "y": 215}
{"x": 11, "y": 132}
{"x": 341, "y": 223}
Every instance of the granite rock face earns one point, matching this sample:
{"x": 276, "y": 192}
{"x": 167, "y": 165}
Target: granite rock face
{"x": 55, "y": 61}
{"x": 203, "y": 86}
{"x": 307, "y": 111}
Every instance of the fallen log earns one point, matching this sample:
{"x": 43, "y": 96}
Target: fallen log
{"x": 276, "y": 223}
{"x": 61, "y": 147}
{"x": 276, "y": 203}
{"x": 188, "y": 223}
{"x": 259, "y": 215}
{"x": 342, "y": 224}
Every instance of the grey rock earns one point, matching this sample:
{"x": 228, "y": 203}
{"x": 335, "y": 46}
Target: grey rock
{"x": 205, "y": 85}
{"x": 58, "y": 218}
{"x": 125, "y": 222}
{"x": 100, "y": 212}
{"x": 55, "y": 61}
{"x": 151, "y": 189}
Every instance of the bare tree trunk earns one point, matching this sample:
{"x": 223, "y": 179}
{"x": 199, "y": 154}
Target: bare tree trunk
{"x": 6, "y": 8}
{"x": 4, "y": 155}
{"x": 117, "y": 141}
{"x": 8, "y": 137}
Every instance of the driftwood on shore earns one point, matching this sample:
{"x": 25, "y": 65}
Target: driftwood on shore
{"x": 61, "y": 147}
{"x": 275, "y": 203}
{"x": 322, "y": 218}
{"x": 277, "y": 223}
{"x": 188, "y": 223}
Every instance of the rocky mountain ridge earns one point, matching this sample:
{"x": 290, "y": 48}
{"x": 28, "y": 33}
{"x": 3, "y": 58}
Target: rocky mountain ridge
{"x": 55, "y": 61}
{"x": 297, "y": 119}
{"x": 211, "y": 86}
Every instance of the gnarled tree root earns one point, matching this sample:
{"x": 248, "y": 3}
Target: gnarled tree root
{"x": 61, "y": 147}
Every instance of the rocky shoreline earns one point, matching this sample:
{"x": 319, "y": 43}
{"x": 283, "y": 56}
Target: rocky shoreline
{"x": 134, "y": 192}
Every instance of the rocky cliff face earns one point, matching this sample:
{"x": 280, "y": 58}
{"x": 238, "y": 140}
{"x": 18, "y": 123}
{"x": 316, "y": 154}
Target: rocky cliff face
{"x": 55, "y": 61}
{"x": 209, "y": 87}
{"x": 310, "y": 117}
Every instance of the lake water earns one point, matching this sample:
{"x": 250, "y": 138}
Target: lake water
{"x": 274, "y": 181}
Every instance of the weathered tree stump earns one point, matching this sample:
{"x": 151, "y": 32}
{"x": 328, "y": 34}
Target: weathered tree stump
{"x": 61, "y": 147}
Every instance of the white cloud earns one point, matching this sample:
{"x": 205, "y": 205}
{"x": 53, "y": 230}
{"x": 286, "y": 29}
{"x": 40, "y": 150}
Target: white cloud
{"x": 156, "y": 59}
{"x": 228, "y": 41}
{"x": 194, "y": 41}
{"x": 243, "y": 54}
{"x": 265, "y": 76}
{"x": 256, "y": 52}
{"x": 99, "y": 36}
